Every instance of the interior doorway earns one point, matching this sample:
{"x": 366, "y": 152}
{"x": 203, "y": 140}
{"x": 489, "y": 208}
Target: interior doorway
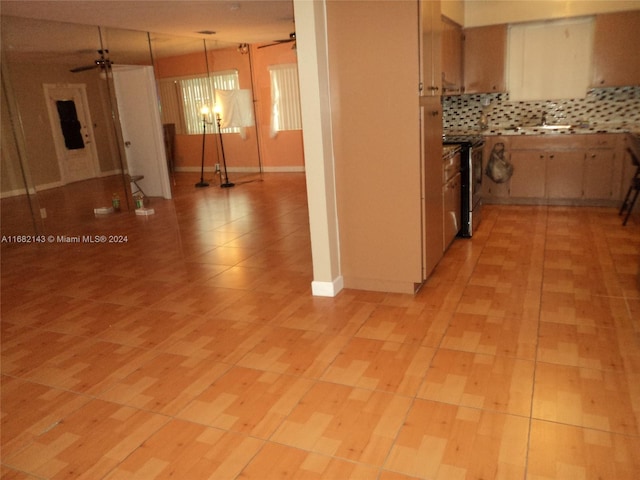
{"x": 72, "y": 131}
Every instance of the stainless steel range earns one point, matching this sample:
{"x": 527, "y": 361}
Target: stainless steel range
{"x": 471, "y": 168}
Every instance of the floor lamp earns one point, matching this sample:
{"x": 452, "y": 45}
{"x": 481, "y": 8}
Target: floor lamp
{"x": 226, "y": 183}
{"x": 204, "y": 111}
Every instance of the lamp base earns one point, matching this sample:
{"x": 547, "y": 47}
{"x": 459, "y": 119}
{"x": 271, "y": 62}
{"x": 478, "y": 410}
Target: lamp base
{"x": 227, "y": 185}
{"x": 201, "y": 184}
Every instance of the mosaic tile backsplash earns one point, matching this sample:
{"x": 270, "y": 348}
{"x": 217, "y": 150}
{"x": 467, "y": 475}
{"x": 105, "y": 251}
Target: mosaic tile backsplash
{"x": 602, "y": 109}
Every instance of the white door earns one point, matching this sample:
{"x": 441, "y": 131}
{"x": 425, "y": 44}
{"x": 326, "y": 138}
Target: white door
{"x": 72, "y": 131}
{"x": 142, "y": 133}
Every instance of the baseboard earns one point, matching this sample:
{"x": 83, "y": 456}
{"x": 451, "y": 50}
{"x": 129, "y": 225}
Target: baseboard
{"x": 110, "y": 173}
{"x": 295, "y": 169}
{"x": 327, "y": 289}
{"x": 291, "y": 169}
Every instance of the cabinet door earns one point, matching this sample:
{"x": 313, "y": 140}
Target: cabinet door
{"x": 484, "y": 54}
{"x": 599, "y": 167}
{"x": 451, "y": 57}
{"x": 431, "y": 46}
{"x": 451, "y": 210}
{"x": 565, "y": 174}
{"x": 616, "y": 58}
{"x": 432, "y": 231}
{"x": 529, "y": 173}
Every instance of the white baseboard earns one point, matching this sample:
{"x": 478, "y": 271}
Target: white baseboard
{"x": 110, "y": 173}
{"x": 243, "y": 169}
{"x": 48, "y": 186}
{"x": 327, "y": 289}
{"x": 13, "y": 193}
{"x": 283, "y": 169}
{"x": 212, "y": 169}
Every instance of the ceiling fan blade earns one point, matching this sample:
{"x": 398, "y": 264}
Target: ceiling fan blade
{"x": 84, "y": 68}
{"x": 292, "y": 38}
{"x": 277, "y": 42}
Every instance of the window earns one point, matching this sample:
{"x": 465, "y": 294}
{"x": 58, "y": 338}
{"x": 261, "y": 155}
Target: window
{"x": 285, "y": 98}
{"x": 191, "y": 94}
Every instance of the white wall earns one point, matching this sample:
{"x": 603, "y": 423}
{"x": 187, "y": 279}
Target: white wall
{"x": 492, "y": 12}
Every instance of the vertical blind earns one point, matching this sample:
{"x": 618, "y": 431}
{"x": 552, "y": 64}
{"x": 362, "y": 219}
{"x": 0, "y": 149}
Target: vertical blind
{"x": 189, "y": 95}
{"x": 285, "y": 98}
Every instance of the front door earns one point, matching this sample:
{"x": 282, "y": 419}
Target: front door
{"x": 72, "y": 131}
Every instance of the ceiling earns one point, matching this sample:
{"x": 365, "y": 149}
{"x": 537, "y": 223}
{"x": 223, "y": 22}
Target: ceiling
{"x": 28, "y": 33}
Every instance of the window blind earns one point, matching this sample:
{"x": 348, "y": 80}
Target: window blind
{"x": 285, "y": 98}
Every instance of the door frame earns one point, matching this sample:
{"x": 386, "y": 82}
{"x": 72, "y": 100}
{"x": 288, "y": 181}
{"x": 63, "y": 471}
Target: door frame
{"x": 87, "y": 128}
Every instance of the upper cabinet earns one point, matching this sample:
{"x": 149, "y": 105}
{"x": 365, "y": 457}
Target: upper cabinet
{"x": 430, "y": 48}
{"x": 451, "y": 57}
{"x": 484, "y": 55}
{"x": 616, "y": 57}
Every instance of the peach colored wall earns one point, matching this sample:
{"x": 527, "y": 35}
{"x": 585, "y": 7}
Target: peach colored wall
{"x": 285, "y": 150}
{"x": 376, "y": 135}
{"x": 282, "y": 152}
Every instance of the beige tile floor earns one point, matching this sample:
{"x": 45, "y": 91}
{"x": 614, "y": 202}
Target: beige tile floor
{"x": 195, "y": 350}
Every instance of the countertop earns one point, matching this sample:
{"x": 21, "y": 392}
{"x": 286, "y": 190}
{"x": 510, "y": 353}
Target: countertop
{"x": 449, "y": 151}
{"x": 549, "y": 130}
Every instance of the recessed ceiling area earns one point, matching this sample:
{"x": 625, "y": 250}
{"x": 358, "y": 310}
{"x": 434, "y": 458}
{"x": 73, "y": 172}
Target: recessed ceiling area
{"x": 237, "y": 21}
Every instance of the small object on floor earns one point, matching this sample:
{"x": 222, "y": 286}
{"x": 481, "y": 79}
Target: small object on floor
{"x": 103, "y": 210}
{"x": 139, "y": 200}
{"x": 145, "y": 211}
{"x": 115, "y": 202}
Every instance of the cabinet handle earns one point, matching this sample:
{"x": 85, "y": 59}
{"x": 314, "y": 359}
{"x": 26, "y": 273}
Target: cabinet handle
{"x": 551, "y": 156}
{"x": 434, "y": 88}
{"x": 435, "y": 113}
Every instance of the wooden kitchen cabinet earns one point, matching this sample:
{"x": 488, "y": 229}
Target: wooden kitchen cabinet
{"x": 572, "y": 169}
{"x": 433, "y": 202}
{"x": 564, "y": 174}
{"x": 430, "y": 48}
{"x": 529, "y": 174}
{"x": 599, "y": 170}
{"x": 451, "y": 57}
{"x": 603, "y": 167}
{"x": 616, "y": 57}
{"x": 484, "y": 59}
{"x": 497, "y": 192}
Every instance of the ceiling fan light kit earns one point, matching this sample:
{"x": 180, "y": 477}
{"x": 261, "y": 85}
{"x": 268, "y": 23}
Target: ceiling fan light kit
{"x": 103, "y": 63}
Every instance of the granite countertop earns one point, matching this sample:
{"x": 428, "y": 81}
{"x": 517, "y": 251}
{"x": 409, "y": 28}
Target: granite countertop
{"x": 550, "y": 130}
{"x": 449, "y": 151}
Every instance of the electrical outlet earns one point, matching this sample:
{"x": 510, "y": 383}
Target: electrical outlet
{"x": 43, "y": 213}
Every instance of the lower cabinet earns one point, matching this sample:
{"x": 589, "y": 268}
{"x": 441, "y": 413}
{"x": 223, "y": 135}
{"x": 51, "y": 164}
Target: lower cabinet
{"x": 565, "y": 174}
{"x": 529, "y": 174}
{"x": 578, "y": 169}
{"x": 600, "y": 173}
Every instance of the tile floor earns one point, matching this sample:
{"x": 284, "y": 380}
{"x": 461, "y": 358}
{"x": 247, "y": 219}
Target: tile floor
{"x": 194, "y": 350}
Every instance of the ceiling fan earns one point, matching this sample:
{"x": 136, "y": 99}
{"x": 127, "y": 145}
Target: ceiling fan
{"x": 292, "y": 38}
{"x": 102, "y": 63}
